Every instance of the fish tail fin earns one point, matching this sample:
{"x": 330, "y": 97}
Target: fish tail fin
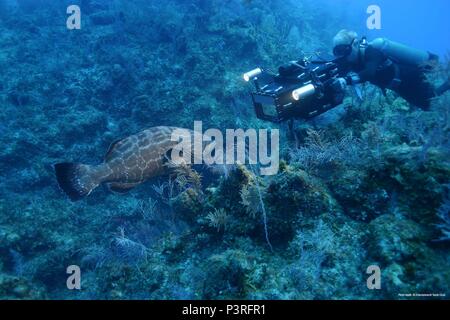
{"x": 76, "y": 180}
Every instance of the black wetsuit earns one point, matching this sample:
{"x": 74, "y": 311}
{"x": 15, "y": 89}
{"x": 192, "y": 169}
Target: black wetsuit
{"x": 408, "y": 81}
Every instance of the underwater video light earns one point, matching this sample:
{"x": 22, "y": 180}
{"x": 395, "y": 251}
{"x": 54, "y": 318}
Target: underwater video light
{"x": 252, "y": 74}
{"x": 303, "y": 92}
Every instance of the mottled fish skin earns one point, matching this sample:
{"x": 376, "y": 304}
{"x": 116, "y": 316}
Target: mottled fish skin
{"x": 128, "y": 162}
{"x": 139, "y": 157}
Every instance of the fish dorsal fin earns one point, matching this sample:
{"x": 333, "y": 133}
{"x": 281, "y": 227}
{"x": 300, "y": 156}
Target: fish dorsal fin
{"x": 120, "y": 187}
{"x": 111, "y": 149}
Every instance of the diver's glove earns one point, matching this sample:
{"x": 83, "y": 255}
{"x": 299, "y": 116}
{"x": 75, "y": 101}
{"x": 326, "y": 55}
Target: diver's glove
{"x": 352, "y": 79}
{"x": 339, "y": 85}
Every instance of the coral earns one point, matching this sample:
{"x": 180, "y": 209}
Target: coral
{"x": 399, "y": 246}
{"x": 14, "y": 288}
{"x": 218, "y": 219}
{"x": 321, "y": 154}
{"x": 361, "y": 197}
{"x": 314, "y": 247}
{"x": 417, "y": 184}
{"x": 396, "y": 239}
{"x": 251, "y": 200}
{"x": 225, "y": 275}
{"x": 128, "y": 250}
{"x": 443, "y": 214}
{"x": 189, "y": 204}
{"x": 292, "y": 195}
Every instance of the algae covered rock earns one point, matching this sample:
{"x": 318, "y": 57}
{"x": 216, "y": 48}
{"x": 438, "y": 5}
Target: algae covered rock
{"x": 359, "y": 195}
{"x": 401, "y": 248}
{"x": 228, "y": 196}
{"x": 395, "y": 238}
{"x": 13, "y": 288}
{"x": 225, "y": 275}
{"x": 291, "y": 196}
{"x": 417, "y": 175}
{"x": 188, "y": 204}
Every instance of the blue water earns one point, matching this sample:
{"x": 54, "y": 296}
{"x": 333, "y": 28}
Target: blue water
{"x": 421, "y": 24}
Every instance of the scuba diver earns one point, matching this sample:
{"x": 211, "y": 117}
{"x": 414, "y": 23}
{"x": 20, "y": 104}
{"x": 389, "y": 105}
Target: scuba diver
{"x": 388, "y": 65}
{"x": 306, "y": 88}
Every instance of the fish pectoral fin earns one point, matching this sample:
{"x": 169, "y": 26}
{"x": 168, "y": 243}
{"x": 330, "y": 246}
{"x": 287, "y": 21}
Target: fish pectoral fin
{"x": 181, "y": 161}
{"x": 120, "y": 187}
{"x": 111, "y": 149}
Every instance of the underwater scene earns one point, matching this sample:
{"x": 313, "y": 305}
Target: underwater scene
{"x": 224, "y": 149}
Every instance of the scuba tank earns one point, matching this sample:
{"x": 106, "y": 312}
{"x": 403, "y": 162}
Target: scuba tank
{"x": 401, "y": 53}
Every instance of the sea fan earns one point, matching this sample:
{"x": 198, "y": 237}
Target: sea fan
{"x": 320, "y": 152}
{"x": 128, "y": 250}
{"x": 218, "y": 219}
{"x": 250, "y": 200}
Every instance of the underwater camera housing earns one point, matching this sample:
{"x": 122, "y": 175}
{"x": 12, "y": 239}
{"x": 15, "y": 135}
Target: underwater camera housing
{"x": 301, "y": 90}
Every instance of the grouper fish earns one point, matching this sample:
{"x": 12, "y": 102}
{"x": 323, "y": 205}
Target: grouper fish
{"x": 128, "y": 163}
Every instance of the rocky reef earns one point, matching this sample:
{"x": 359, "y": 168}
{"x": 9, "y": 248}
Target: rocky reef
{"x": 371, "y": 187}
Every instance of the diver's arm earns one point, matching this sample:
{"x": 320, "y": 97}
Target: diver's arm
{"x": 373, "y": 60}
{"x": 352, "y": 79}
{"x": 369, "y": 72}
